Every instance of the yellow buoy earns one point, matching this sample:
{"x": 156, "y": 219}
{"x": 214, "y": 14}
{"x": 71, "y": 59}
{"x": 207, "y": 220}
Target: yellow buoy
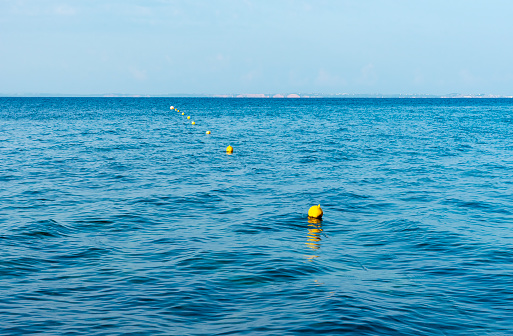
{"x": 229, "y": 149}
{"x": 193, "y": 123}
{"x": 172, "y": 107}
{"x": 315, "y": 211}
{"x": 177, "y": 110}
{"x": 183, "y": 113}
{"x": 188, "y": 117}
{"x": 208, "y": 132}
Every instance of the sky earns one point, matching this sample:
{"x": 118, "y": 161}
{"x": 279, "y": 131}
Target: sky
{"x": 256, "y": 46}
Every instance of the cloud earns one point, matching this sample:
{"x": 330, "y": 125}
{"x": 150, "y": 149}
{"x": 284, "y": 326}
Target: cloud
{"x": 296, "y": 78}
{"x": 418, "y": 77}
{"x": 64, "y": 10}
{"x": 252, "y": 75}
{"x": 367, "y": 75}
{"x": 138, "y": 74}
{"x": 467, "y": 77}
{"x": 35, "y": 9}
{"x": 325, "y": 78}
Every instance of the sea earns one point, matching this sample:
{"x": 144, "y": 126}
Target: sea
{"x": 118, "y": 216}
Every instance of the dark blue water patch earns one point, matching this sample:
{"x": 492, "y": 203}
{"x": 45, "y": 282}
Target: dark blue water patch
{"x": 117, "y": 221}
{"x": 118, "y": 216}
{"x": 477, "y": 206}
{"x": 43, "y": 228}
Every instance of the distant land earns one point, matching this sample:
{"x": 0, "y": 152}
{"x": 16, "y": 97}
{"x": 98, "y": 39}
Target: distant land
{"x": 264, "y": 95}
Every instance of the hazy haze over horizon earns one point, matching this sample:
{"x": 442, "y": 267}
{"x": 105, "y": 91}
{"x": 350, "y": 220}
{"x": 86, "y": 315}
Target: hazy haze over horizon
{"x": 229, "y": 46}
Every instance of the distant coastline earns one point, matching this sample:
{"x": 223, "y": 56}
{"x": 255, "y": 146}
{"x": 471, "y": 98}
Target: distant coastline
{"x": 261, "y": 95}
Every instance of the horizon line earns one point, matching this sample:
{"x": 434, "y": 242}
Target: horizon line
{"x": 251, "y": 95}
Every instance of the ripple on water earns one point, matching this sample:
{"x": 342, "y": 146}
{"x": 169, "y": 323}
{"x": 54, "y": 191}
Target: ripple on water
{"x": 119, "y": 218}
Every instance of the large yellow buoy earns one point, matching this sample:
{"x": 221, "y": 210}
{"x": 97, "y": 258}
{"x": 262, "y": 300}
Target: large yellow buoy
{"x": 208, "y": 132}
{"x": 193, "y": 123}
{"x": 183, "y": 113}
{"x": 315, "y": 212}
{"x": 188, "y": 117}
{"x": 229, "y": 149}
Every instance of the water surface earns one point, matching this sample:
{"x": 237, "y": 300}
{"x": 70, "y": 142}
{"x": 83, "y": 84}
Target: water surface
{"x": 119, "y": 217}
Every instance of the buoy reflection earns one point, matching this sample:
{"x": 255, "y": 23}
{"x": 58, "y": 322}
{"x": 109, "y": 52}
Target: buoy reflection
{"x": 314, "y": 236}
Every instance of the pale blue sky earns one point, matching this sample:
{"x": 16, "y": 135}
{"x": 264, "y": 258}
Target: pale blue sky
{"x": 256, "y": 46}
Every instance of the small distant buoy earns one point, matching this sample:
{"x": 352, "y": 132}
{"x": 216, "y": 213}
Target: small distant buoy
{"x": 193, "y": 123}
{"x": 208, "y": 132}
{"x": 183, "y": 113}
{"x": 229, "y": 149}
{"x": 172, "y": 107}
{"x": 188, "y": 117}
{"x": 315, "y": 212}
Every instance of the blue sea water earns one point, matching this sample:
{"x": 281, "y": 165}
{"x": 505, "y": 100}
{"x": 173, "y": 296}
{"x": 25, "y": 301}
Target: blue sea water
{"x": 119, "y": 217}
